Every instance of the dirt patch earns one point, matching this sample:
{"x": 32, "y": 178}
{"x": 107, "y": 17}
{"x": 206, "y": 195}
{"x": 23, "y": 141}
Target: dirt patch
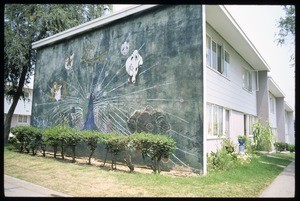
{"x": 176, "y": 171}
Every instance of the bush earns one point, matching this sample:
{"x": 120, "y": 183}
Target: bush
{"x": 225, "y": 158}
{"x": 92, "y": 138}
{"x": 263, "y": 137}
{"x": 279, "y": 146}
{"x": 26, "y": 138}
{"x": 114, "y": 144}
{"x": 282, "y": 146}
{"x": 291, "y": 148}
{"x": 52, "y": 137}
{"x": 154, "y": 146}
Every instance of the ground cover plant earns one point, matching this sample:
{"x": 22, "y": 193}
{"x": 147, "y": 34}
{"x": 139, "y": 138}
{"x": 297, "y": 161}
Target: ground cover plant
{"x": 83, "y": 180}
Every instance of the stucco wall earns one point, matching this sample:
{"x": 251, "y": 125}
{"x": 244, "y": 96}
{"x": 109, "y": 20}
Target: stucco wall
{"x": 84, "y": 81}
{"x": 263, "y": 97}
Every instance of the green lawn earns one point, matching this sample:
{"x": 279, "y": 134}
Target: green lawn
{"x": 91, "y": 181}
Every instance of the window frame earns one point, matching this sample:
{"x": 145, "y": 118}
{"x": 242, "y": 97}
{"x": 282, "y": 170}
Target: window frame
{"x": 216, "y": 115}
{"x": 23, "y": 119}
{"x": 215, "y": 59}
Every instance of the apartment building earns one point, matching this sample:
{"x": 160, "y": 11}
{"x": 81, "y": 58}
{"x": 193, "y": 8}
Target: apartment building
{"x": 239, "y": 90}
{"x": 192, "y": 74}
{"x": 22, "y": 113}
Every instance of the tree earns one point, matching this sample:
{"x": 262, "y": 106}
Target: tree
{"x": 286, "y": 27}
{"x": 25, "y": 24}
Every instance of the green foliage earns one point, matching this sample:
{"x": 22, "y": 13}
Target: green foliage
{"x": 228, "y": 145}
{"x": 291, "y": 148}
{"x": 52, "y": 137}
{"x": 25, "y": 24}
{"x": 282, "y": 146}
{"x": 286, "y": 27}
{"x": 153, "y": 146}
{"x": 225, "y": 158}
{"x": 27, "y": 138}
{"x": 92, "y": 138}
{"x": 263, "y": 137}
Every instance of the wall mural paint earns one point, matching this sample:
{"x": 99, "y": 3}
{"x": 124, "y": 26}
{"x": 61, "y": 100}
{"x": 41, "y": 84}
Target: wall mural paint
{"x": 142, "y": 73}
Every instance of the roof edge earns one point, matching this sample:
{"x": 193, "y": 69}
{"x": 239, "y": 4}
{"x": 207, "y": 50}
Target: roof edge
{"x": 98, "y": 22}
{"x": 234, "y": 22}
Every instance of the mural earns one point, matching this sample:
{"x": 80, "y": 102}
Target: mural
{"x": 142, "y": 73}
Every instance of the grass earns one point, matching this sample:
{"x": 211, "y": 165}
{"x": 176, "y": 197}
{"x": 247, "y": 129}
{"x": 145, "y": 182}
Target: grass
{"x": 91, "y": 181}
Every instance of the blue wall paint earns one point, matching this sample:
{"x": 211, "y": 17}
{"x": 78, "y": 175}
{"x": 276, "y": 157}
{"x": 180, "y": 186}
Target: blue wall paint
{"x": 169, "y": 40}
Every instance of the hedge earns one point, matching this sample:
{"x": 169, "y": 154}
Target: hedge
{"x": 154, "y": 146}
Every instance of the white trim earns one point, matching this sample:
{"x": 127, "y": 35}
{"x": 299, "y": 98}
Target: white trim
{"x": 96, "y": 23}
{"x": 204, "y": 90}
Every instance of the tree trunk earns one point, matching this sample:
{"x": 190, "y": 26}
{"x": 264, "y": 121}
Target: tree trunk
{"x": 91, "y": 155}
{"x": 73, "y": 157}
{"x": 16, "y": 97}
{"x": 8, "y": 118}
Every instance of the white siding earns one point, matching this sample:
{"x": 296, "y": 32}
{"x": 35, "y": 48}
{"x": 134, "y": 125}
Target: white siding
{"x": 236, "y": 125}
{"x": 23, "y": 107}
{"x": 272, "y": 116}
{"x": 229, "y": 92}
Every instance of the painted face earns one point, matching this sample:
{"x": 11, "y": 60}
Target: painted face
{"x": 69, "y": 62}
{"x": 125, "y": 48}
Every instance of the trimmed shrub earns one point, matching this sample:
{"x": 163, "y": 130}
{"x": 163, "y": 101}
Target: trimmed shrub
{"x": 115, "y": 144}
{"x": 291, "y": 148}
{"x": 52, "y": 138}
{"x": 92, "y": 138}
{"x": 27, "y": 138}
{"x": 154, "y": 146}
{"x": 279, "y": 146}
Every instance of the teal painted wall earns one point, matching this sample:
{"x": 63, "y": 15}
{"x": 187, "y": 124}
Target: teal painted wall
{"x": 166, "y": 96}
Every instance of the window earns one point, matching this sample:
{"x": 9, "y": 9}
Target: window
{"x": 247, "y": 79}
{"x": 249, "y": 120}
{"x": 208, "y": 51}
{"x": 218, "y": 120}
{"x": 272, "y": 105}
{"x": 226, "y": 63}
{"x": 216, "y": 57}
{"x": 250, "y": 79}
{"x": 22, "y": 119}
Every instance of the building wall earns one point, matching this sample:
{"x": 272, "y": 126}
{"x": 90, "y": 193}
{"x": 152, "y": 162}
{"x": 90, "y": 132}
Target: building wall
{"x": 86, "y": 81}
{"x": 263, "y": 97}
{"x": 228, "y": 91}
{"x": 290, "y": 128}
{"x": 280, "y": 120}
{"x": 236, "y": 125}
{"x": 272, "y": 115}
{"x": 23, "y": 108}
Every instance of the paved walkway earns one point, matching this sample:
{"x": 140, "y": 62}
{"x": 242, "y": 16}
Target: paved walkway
{"x": 14, "y": 187}
{"x": 283, "y": 185}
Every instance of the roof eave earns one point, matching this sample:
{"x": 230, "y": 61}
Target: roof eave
{"x": 96, "y": 23}
{"x": 221, "y": 20}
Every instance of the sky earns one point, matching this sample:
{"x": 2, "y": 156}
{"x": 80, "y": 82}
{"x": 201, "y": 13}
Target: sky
{"x": 259, "y": 23}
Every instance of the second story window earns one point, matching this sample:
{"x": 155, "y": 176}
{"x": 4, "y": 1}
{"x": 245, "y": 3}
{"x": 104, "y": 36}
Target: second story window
{"x": 216, "y": 57}
{"x": 272, "y": 105}
{"x": 247, "y": 79}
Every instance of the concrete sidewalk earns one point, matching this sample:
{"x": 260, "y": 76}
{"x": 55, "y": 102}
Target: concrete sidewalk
{"x": 283, "y": 185}
{"x": 14, "y": 187}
